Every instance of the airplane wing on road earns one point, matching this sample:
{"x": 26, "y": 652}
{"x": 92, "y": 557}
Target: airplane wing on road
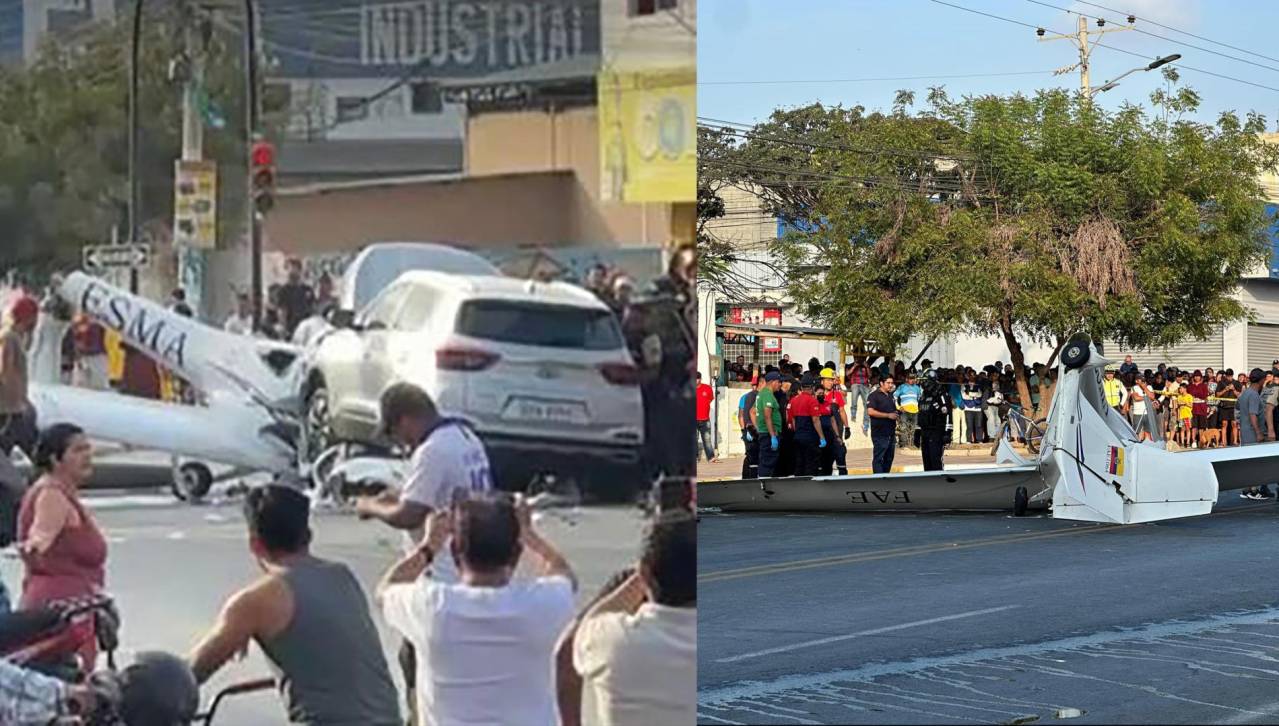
{"x": 984, "y": 488}
{"x": 227, "y": 431}
{"x": 1239, "y": 467}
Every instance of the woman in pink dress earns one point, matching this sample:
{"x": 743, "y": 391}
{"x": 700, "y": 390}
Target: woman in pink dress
{"x": 64, "y": 552}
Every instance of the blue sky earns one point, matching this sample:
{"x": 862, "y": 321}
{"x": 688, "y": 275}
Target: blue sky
{"x": 806, "y": 40}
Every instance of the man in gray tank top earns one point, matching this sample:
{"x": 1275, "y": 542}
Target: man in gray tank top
{"x": 311, "y": 618}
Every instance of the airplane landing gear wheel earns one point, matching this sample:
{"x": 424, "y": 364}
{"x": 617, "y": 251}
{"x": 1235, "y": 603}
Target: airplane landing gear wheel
{"x": 1021, "y": 500}
{"x": 192, "y": 481}
{"x": 1076, "y": 352}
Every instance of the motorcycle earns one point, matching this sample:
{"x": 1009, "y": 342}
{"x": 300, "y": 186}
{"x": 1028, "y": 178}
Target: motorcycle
{"x": 48, "y": 639}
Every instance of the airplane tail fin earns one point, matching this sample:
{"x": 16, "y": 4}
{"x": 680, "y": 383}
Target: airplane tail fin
{"x": 1100, "y": 472}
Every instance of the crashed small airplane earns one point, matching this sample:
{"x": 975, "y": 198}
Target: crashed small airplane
{"x": 1090, "y": 467}
{"x": 250, "y": 385}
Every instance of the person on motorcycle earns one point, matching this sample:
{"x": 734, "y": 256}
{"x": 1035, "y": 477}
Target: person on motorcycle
{"x": 28, "y": 697}
{"x": 311, "y": 618}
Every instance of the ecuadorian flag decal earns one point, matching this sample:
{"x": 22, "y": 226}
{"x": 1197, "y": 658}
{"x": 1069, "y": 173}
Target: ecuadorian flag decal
{"x": 1115, "y": 461}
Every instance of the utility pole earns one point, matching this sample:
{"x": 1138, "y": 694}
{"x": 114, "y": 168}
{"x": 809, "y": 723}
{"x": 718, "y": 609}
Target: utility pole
{"x": 251, "y": 127}
{"x": 191, "y": 261}
{"x": 1080, "y": 38}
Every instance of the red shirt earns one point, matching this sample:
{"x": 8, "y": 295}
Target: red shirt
{"x": 1200, "y": 393}
{"x": 859, "y": 376}
{"x": 90, "y": 338}
{"x": 833, "y": 399}
{"x": 705, "y": 394}
{"x": 803, "y": 405}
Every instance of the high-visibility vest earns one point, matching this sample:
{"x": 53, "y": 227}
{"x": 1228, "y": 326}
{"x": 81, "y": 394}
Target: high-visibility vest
{"x": 1114, "y": 391}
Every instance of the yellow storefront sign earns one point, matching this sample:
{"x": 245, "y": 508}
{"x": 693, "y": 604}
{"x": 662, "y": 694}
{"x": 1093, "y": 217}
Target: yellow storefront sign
{"x": 648, "y": 135}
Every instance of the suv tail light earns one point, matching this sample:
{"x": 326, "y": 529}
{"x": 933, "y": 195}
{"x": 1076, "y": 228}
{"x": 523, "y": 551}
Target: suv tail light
{"x": 464, "y": 359}
{"x": 620, "y": 374}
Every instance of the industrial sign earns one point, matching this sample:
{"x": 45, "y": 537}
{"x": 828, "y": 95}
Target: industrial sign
{"x": 114, "y": 257}
{"x": 195, "y": 204}
{"x": 447, "y": 39}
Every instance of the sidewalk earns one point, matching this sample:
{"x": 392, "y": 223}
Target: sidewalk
{"x": 958, "y": 455}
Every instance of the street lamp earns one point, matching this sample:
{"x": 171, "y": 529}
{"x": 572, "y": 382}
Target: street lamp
{"x": 1153, "y": 65}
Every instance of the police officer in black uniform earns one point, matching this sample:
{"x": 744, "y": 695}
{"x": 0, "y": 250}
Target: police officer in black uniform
{"x": 934, "y": 424}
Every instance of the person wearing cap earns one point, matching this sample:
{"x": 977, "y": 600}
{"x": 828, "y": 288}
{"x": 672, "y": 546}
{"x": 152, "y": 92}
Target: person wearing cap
{"x": 17, "y": 415}
{"x": 786, "y": 452}
{"x": 750, "y": 432}
{"x": 809, "y": 438}
{"x": 830, "y": 407}
{"x": 907, "y": 397}
{"x": 1113, "y": 388}
{"x": 1249, "y": 410}
{"x": 1137, "y": 404}
{"x": 769, "y": 418}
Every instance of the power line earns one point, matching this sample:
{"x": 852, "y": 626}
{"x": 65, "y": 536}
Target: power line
{"x": 1111, "y": 47}
{"x": 1175, "y": 30}
{"x": 836, "y": 147}
{"x": 978, "y": 12}
{"x": 1164, "y": 37}
{"x": 1195, "y": 70}
{"x": 822, "y": 179}
{"x": 870, "y": 80}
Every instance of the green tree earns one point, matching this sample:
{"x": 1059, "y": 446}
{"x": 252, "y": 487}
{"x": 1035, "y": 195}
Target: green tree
{"x": 64, "y": 139}
{"x": 1031, "y": 218}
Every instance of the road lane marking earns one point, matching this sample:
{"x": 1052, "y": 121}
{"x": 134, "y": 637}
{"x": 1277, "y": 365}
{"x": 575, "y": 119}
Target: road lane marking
{"x": 723, "y": 696}
{"x": 863, "y": 633}
{"x": 873, "y": 555}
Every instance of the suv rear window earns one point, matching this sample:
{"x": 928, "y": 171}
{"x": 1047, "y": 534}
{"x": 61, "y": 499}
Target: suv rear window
{"x": 553, "y": 326}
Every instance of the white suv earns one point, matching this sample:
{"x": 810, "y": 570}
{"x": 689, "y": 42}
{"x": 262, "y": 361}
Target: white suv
{"x": 539, "y": 369}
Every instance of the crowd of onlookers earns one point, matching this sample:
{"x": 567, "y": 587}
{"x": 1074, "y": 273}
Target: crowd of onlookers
{"x": 1190, "y": 408}
{"x": 988, "y": 397}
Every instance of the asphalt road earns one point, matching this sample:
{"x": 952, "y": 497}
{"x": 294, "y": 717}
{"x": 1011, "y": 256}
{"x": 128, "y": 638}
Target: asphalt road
{"x": 987, "y": 618}
{"x": 172, "y": 565}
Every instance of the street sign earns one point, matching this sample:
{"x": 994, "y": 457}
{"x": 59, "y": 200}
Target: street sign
{"x": 111, "y": 257}
{"x": 195, "y": 204}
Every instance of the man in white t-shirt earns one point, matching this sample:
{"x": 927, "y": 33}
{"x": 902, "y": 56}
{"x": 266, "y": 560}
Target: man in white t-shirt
{"x": 485, "y": 644}
{"x": 636, "y": 648}
{"x": 449, "y": 463}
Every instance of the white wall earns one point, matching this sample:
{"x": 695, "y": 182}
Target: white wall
{"x": 1261, "y": 296}
{"x": 983, "y": 351}
{"x": 1235, "y": 346}
{"x": 705, "y": 331}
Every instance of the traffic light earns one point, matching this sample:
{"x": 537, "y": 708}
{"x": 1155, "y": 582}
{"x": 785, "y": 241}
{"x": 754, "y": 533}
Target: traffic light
{"x": 262, "y": 159}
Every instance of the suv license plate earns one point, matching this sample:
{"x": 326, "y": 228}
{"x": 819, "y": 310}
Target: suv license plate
{"x": 547, "y": 411}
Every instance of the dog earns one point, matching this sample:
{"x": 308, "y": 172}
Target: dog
{"x": 1209, "y": 438}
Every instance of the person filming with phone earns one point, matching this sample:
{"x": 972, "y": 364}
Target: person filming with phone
{"x": 485, "y": 643}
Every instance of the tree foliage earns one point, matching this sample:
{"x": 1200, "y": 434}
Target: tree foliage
{"x": 64, "y": 139}
{"x": 1030, "y": 217}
